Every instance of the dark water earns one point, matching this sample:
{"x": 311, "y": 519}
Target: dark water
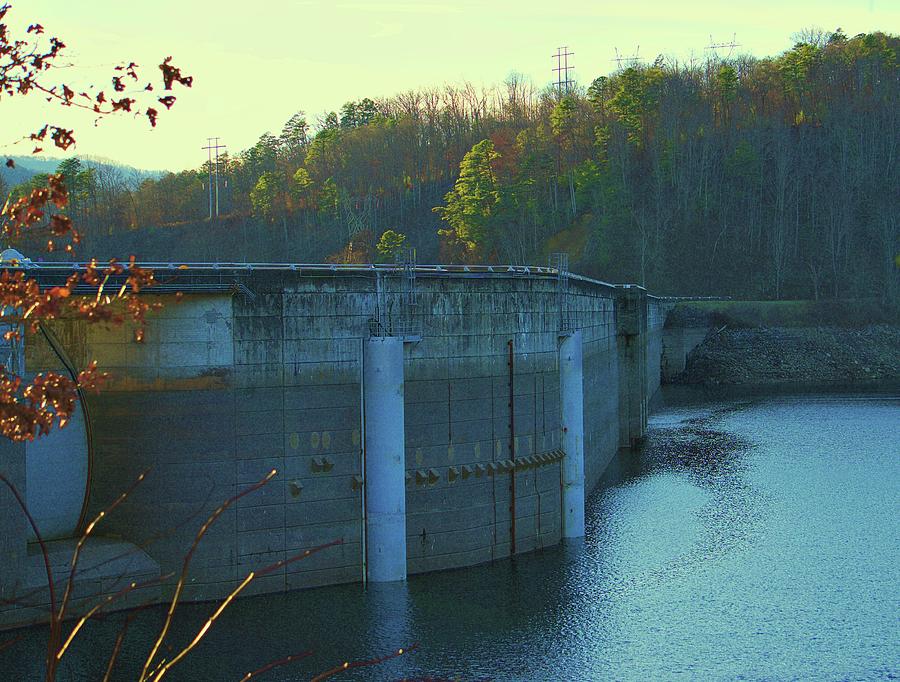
{"x": 749, "y": 540}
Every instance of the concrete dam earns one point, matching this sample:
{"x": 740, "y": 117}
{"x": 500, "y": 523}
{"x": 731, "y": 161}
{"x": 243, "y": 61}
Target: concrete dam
{"x": 429, "y": 417}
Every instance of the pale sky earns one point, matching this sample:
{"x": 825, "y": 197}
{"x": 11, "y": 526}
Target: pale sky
{"x": 257, "y": 62}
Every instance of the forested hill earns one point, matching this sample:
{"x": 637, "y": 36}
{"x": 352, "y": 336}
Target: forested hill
{"x": 771, "y": 178}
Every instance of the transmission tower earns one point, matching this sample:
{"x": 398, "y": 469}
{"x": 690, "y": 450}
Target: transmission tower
{"x": 358, "y": 214}
{"x": 213, "y": 147}
{"x": 714, "y": 46}
{"x": 629, "y": 60}
{"x": 563, "y": 82}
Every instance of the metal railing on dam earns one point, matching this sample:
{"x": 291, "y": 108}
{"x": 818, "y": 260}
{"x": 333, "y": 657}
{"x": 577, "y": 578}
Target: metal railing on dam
{"x": 457, "y": 445}
{"x": 52, "y": 266}
{"x": 185, "y": 272}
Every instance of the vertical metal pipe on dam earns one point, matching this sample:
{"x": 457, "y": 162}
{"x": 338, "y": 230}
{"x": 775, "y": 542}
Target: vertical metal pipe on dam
{"x": 571, "y": 390}
{"x": 385, "y": 473}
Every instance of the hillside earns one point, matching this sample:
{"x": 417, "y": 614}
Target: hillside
{"x": 26, "y": 167}
{"x": 763, "y": 178}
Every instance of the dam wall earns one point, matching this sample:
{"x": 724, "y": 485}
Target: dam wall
{"x": 263, "y": 370}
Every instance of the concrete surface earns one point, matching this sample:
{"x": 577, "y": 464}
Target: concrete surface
{"x": 228, "y": 386}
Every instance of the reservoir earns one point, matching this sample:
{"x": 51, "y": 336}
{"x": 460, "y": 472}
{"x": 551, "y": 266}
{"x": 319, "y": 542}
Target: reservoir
{"x": 750, "y": 538}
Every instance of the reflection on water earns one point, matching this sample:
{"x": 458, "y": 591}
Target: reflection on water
{"x": 749, "y": 538}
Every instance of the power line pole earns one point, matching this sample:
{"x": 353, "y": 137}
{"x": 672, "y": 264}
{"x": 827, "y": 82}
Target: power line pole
{"x": 562, "y": 69}
{"x": 213, "y": 146}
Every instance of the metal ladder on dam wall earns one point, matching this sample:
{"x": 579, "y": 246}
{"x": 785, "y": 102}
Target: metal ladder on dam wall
{"x": 559, "y": 263}
{"x": 396, "y": 312}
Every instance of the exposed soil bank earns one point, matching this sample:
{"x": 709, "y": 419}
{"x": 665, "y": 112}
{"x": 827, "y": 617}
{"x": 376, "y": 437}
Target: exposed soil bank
{"x": 845, "y": 313}
{"x": 796, "y": 355}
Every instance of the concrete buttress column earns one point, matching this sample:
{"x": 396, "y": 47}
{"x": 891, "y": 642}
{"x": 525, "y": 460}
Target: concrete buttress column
{"x": 385, "y": 476}
{"x": 631, "y": 339}
{"x": 571, "y": 389}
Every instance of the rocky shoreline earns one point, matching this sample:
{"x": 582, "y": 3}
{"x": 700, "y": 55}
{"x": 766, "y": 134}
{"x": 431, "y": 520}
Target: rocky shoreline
{"x": 796, "y": 355}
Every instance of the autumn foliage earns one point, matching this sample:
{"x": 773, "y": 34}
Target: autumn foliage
{"x": 29, "y": 409}
{"x": 105, "y": 293}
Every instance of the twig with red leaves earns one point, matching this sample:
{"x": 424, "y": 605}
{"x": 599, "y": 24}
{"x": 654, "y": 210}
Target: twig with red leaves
{"x": 348, "y": 665}
{"x": 179, "y": 587}
{"x": 117, "y": 647}
{"x": 24, "y": 64}
{"x": 97, "y": 608}
{"x": 276, "y": 664}
{"x": 22, "y": 599}
{"x": 43, "y": 545}
{"x": 10, "y": 642}
{"x": 56, "y": 648}
{"x": 164, "y": 668}
{"x": 89, "y": 529}
{"x": 57, "y": 614}
{"x": 25, "y": 61}
{"x": 30, "y": 410}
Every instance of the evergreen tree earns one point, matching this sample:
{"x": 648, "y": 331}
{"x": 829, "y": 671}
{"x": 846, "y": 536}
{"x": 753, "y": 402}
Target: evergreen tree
{"x": 473, "y": 203}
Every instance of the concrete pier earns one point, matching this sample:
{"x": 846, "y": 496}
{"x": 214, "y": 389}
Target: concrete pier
{"x": 631, "y": 330}
{"x": 385, "y": 467}
{"x": 571, "y": 390}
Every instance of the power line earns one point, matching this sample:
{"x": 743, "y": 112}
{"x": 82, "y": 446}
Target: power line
{"x": 213, "y": 146}
{"x": 562, "y": 69}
